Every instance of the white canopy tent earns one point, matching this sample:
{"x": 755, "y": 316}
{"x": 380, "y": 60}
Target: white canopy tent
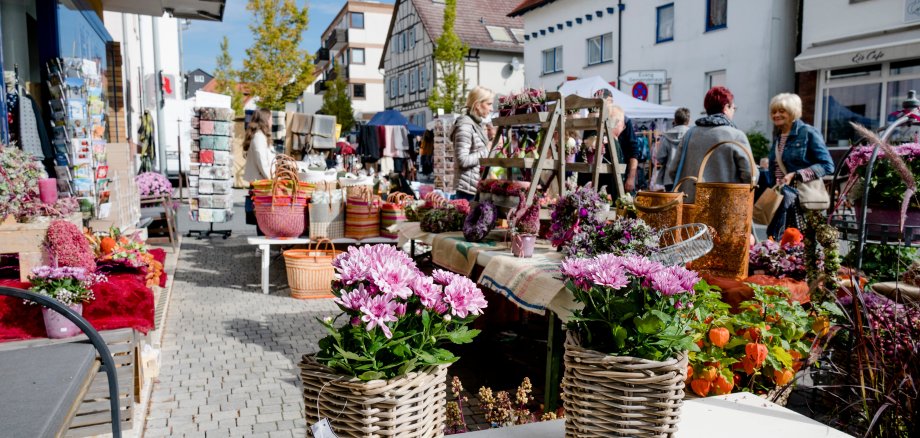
{"x": 634, "y": 108}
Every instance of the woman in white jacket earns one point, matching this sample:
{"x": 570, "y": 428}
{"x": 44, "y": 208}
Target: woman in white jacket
{"x": 259, "y": 155}
{"x": 471, "y": 142}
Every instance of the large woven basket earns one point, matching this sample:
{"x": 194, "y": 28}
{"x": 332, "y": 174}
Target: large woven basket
{"x": 728, "y": 209}
{"x": 310, "y": 271}
{"x": 410, "y": 406}
{"x": 660, "y": 209}
{"x": 607, "y": 395}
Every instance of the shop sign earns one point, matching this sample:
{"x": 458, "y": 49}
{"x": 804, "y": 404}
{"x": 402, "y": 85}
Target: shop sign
{"x": 911, "y": 11}
{"x": 868, "y": 56}
{"x": 168, "y": 85}
{"x": 650, "y": 77}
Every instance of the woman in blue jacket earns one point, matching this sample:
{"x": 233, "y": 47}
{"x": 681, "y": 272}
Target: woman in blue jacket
{"x": 803, "y": 154}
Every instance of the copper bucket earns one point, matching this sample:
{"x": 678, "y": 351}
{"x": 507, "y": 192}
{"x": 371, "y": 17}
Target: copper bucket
{"x": 688, "y": 211}
{"x": 728, "y": 209}
{"x": 659, "y": 209}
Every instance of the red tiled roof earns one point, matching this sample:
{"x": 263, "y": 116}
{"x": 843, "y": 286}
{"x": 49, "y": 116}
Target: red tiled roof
{"x": 472, "y": 18}
{"x": 528, "y": 5}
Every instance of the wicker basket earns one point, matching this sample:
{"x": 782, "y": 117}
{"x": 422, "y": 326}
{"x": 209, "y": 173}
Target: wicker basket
{"x": 728, "y": 209}
{"x": 310, "y": 271}
{"x": 607, "y": 395}
{"x": 410, "y": 406}
{"x": 659, "y": 209}
{"x": 688, "y": 211}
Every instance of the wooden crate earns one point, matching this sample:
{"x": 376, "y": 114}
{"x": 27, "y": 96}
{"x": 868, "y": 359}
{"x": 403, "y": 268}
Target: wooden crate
{"x": 27, "y": 241}
{"x": 93, "y": 417}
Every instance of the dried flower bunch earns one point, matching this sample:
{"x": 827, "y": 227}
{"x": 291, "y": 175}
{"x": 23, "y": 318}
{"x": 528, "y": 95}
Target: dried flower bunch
{"x": 153, "y": 184}
{"x": 479, "y": 222}
{"x": 633, "y": 306}
{"x": 443, "y": 219}
{"x": 19, "y": 175}
{"x": 68, "y": 285}
{"x": 573, "y": 212}
{"x": 525, "y": 220}
{"x": 622, "y": 236}
{"x": 396, "y": 317}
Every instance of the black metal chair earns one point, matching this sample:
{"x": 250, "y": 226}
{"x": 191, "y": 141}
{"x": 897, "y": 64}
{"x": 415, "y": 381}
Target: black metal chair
{"x": 94, "y": 337}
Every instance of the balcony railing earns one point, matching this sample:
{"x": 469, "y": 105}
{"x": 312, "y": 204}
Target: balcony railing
{"x": 319, "y": 87}
{"x": 337, "y": 39}
{"x": 321, "y": 58}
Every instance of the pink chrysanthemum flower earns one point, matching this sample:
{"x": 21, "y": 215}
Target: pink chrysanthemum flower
{"x": 378, "y": 311}
{"x": 464, "y": 298}
{"x": 393, "y": 278}
{"x": 641, "y": 266}
{"x": 353, "y": 300}
{"x": 666, "y": 282}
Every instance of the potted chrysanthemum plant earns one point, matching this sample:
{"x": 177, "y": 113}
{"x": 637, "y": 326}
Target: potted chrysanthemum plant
{"x": 69, "y": 285}
{"x": 384, "y": 352}
{"x": 626, "y": 348}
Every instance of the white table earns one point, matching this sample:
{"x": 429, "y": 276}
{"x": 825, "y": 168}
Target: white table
{"x": 712, "y": 417}
{"x": 265, "y": 244}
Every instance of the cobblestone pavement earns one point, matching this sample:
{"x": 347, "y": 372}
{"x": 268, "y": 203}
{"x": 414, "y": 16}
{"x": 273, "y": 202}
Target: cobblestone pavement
{"x": 229, "y": 353}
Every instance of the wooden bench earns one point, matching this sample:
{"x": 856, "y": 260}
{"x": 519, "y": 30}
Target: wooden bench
{"x": 71, "y": 392}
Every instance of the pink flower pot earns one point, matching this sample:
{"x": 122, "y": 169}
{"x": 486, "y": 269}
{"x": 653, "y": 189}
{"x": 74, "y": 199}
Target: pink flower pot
{"x": 58, "y": 326}
{"x": 522, "y": 245}
{"x": 47, "y": 190}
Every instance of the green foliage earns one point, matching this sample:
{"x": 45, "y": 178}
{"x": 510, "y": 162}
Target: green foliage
{"x": 883, "y": 262}
{"x": 408, "y": 349}
{"x": 276, "y": 69}
{"x": 226, "y": 78}
{"x": 337, "y": 102}
{"x": 450, "y": 90}
{"x": 760, "y": 144}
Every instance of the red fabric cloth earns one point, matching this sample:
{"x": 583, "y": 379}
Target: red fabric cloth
{"x": 122, "y": 301}
{"x": 159, "y": 254}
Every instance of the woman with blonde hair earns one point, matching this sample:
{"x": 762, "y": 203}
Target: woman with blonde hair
{"x": 798, "y": 155}
{"x": 471, "y": 142}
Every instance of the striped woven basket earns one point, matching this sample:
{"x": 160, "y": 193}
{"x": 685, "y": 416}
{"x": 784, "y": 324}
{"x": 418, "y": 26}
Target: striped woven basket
{"x": 393, "y": 212}
{"x": 362, "y": 215}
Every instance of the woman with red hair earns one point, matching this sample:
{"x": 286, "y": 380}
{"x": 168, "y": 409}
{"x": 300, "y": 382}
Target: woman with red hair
{"x": 727, "y": 164}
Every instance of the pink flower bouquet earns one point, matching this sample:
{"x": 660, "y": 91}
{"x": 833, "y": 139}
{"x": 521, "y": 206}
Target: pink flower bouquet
{"x": 396, "y": 317}
{"x": 68, "y": 285}
{"x": 153, "y": 184}
{"x": 633, "y": 306}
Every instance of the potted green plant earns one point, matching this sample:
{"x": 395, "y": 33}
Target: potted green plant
{"x": 626, "y": 349}
{"x": 387, "y": 353}
{"x": 72, "y": 287}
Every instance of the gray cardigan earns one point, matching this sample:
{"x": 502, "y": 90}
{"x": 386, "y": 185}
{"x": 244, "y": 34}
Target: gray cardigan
{"x": 727, "y": 164}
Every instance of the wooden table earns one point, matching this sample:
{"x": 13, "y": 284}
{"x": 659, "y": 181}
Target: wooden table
{"x": 265, "y": 244}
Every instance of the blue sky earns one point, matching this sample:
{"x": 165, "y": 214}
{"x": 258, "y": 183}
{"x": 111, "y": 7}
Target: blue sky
{"x": 201, "y": 41}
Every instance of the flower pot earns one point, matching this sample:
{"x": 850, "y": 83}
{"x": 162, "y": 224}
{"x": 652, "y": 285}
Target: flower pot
{"x": 522, "y": 245}
{"x": 58, "y": 326}
{"x": 410, "y": 406}
{"x": 606, "y": 395}
{"x": 883, "y": 223}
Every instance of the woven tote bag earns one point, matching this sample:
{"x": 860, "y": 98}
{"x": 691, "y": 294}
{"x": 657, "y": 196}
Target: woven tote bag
{"x": 393, "y": 212}
{"x": 309, "y": 271}
{"x": 362, "y": 215}
{"x": 327, "y": 221}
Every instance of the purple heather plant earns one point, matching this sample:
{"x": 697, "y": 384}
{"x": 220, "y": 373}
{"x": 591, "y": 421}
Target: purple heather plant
{"x": 633, "y": 306}
{"x": 19, "y": 175}
{"x": 622, "y": 236}
{"x": 525, "y": 220}
{"x": 397, "y": 317}
{"x": 479, "y": 222}
{"x": 573, "y": 212}
{"x": 67, "y": 246}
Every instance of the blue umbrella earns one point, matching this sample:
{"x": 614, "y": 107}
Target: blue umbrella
{"x": 395, "y": 118}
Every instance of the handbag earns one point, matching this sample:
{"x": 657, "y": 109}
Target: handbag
{"x": 767, "y": 204}
{"x": 812, "y": 194}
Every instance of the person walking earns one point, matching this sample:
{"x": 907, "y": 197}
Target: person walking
{"x": 471, "y": 142}
{"x": 727, "y": 164}
{"x": 667, "y": 148}
{"x": 259, "y": 156}
{"x": 798, "y": 155}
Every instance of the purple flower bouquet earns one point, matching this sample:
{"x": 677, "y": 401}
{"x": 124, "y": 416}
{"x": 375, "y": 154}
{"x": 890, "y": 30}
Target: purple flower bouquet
{"x": 68, "y": 285}
{"x": 153, "y": 184}
{"x": 396, "y": 317}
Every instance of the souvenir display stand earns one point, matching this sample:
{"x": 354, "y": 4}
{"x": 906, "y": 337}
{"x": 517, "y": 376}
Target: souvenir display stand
{"x": 443, "y": 153}
{"x": 210, "y": 171}
{"x": 552, "y": 157}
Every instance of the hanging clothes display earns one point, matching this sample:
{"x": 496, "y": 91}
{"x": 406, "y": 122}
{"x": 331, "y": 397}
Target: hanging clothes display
{"x": 323, "y": 132}
{"x": 147, "y": 142}
{"x": 297, "y": 140}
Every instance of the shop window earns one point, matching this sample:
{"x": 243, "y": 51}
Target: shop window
{"x": 911, "y": 67}
{"x": 897, "y": 92}
{"x": 842, "y": 105}
{"x": 357, "y": 56}
{"x": 715, "y": 79}
{"x": 716, "y": 14}
{"x": 552, "y": 60}
{"x": 665, "y": 24}
{"x": 600, "y": 49}
{"x": 357, "y": 20}
{"x": 358, "y": 91}
{"x": 871, "y": 71}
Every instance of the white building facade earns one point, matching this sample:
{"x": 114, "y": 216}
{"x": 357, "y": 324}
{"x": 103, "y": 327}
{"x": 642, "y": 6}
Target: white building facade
{"x": 494, "y": 39}
{"x": 683, "y": 47}
{"x": 860, "y": 71}
{"x": 354, "y": 40}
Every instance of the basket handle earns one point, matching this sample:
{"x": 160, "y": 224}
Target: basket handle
{"x": 681, "y": 182}
{"x": 322, "y": 240}
{"x": 280, "y": 179}
{"x": 740, "y": 146}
